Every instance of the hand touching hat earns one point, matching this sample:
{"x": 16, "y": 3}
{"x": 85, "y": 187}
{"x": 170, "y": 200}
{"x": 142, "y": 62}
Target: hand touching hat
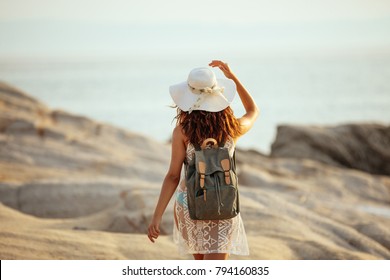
{"x": 203, "y": 91}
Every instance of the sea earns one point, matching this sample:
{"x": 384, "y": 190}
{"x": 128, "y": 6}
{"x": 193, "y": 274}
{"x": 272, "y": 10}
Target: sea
{"x": 131, "y": 91}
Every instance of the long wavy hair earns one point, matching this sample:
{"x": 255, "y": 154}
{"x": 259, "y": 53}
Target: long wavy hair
{"x": 200, "y": 125}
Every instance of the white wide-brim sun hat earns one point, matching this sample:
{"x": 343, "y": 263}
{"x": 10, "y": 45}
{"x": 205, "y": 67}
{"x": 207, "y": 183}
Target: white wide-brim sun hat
{"x": 203, "y": 91}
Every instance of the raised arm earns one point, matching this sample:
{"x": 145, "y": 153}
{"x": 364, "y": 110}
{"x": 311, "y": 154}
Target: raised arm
{"x": 251, "y": 109}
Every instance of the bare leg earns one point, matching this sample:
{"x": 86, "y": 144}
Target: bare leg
{"x": 175, "y": 216}
{"x": 198, "y": 257}
{"x": 216, "y": 256}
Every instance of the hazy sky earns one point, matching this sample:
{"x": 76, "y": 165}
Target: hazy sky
{"x": 242, "y": 11}
{"x": 115, "y": 26}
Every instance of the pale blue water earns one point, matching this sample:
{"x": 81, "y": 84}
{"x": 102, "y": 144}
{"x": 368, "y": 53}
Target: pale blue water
{"x": 133, "y": 92}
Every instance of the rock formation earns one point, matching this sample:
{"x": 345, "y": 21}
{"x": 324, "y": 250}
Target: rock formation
{"x": 360, "y": 146}
{"x": 73, "y": 188}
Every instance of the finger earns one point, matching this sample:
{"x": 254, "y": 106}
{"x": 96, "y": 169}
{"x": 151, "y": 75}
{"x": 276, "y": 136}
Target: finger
{"x": 221, "y": 65}
{"x": 156, "y": 230}
{"x": 215, "y": 63}
{"x": 151, "y": 238}
{"x": 150, "y": 235}
{"x": 218, "y": 62}
{"x": 153, "y": 232}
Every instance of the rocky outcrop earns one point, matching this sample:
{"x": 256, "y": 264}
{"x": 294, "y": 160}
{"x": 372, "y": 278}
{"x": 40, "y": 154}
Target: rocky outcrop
{"x": 71, "y": 182}
{"x": 360, "y": 146}
{"x": 57, "y": 165}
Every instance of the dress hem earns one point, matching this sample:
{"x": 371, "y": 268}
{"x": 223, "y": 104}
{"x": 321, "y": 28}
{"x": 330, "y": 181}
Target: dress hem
{"x": 214, "y": 252}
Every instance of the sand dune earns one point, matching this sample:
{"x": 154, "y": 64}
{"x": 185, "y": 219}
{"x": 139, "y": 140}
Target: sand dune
{"x": 73, "y": 188}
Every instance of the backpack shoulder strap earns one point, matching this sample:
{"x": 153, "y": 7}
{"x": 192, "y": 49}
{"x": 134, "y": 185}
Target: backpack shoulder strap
{"x": 234, "y": 160}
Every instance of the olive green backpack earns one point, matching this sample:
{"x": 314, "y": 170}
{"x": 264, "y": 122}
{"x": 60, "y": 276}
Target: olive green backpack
{"x": 212, "y": 187}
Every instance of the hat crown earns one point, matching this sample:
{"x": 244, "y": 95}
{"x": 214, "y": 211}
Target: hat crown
{"x": 201, "y": 77}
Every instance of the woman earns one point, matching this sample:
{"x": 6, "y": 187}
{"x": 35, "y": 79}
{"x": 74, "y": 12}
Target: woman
{"x": 204, "y": 111}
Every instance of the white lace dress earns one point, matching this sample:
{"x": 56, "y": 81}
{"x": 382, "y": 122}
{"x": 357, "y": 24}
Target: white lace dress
{"x": 210, "y": 236}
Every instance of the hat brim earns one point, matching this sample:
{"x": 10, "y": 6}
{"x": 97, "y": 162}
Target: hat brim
{"x": 184, "y": 98}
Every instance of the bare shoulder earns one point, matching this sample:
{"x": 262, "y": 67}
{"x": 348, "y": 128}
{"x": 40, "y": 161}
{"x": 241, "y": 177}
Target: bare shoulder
{"x": 178, "y": 132}
{"x": 178, "y": 135}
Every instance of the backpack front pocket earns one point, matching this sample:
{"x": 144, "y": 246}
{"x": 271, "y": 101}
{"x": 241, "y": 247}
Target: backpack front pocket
{"x": 219, "y": 204}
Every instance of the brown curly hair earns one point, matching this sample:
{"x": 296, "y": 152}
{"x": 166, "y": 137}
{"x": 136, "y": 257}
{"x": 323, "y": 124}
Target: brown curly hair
{"x": 200, "y": 125}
